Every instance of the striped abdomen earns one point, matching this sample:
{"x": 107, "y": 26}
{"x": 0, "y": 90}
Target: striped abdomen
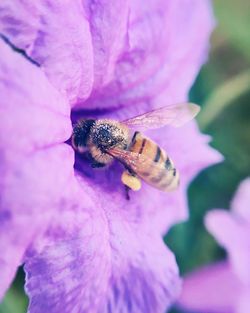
{"x": 158, "y": 169}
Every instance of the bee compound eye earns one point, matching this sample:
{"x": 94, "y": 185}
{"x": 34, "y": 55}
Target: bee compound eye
{"x": 73, "y": 142}
{"x": 81, "y": 133}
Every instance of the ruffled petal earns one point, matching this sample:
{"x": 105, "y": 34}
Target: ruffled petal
{"x": 56, "y": 35}
{"x": 108, "y": 25}
{"x": 163, "y": 48}
{"x": 212, "y": 289}
{"x": 32, "y": 180}
{"x": 117, "y": 56}
{"x": 33, "y": 113}
{"x": 31, "y": 188}
{"x": 93, "y": 260}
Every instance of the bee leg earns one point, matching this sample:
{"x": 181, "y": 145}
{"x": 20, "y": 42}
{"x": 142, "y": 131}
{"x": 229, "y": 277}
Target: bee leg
{"x": 131, "y": 182}
{"x": 127, "y": 189}
{"x": 95, "y": 164}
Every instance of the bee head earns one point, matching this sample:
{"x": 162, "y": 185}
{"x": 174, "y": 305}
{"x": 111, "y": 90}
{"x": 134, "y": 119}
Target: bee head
{"x": 81, "y": 133}
{"x": 108, "y": 135}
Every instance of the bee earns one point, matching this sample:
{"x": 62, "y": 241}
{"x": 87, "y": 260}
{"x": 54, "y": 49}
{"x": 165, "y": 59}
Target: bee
{"x": 143, "y": 159}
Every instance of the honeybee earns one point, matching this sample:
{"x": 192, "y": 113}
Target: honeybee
{"x": 142, "y": 158}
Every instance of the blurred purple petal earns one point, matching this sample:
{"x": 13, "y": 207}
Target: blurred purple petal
{"x": 94, "y": 260}
{"x": 31, "y": 182}
{"x": 244, "y": 301}
{"x": 234, "y": 236}
{"x": 241, "y": 201}
{"x": 212, "y": 289}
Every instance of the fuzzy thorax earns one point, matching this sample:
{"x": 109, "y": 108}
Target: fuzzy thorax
{"x": 104, "y": 135}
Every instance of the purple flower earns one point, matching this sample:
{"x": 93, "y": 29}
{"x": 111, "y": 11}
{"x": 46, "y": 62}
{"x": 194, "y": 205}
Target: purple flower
{"x": 84, "y": 246}
{"x": 224, "y": 287}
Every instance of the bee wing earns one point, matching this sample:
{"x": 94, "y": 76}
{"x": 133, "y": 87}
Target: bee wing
{"x": 135, "y": 161}
{"x": 143, "y": 167}
{"x": 174, "y": 115}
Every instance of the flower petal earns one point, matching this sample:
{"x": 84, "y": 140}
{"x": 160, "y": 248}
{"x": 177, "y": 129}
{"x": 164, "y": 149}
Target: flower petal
{"x": 241, "y": 201}
{"x": 93, "y": 260}
{"x": 31, "y": 189}
{"x": 226, "y": 283}
{"x": 34, "y": 116}
{"x": 56, "y": 35}
{"x": 130, "y": 60}
{"x": 33, "y": 113}
{"x": 212, "y": 289}
{"x": 243, "y": 304}
{"x": 234, "y": 236}
{"x": 108, "y": 25}
{"x": 158, "y": 60}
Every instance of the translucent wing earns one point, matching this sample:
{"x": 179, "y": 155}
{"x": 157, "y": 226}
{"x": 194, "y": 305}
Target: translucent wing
{"x": 175, "y": 115}
{"x": 156, "y": 174}
{"x": 133, "y": 160}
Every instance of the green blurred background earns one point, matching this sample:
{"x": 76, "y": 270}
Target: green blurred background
{"x": 223, "y": 90}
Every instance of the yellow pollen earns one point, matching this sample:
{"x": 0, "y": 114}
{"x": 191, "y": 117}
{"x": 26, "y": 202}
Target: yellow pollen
{"x": 131, "y": 181}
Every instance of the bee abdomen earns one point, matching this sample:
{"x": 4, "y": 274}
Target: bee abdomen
{"x": 160, "y": 172}
{"x": 166, "y": 176}
{"x": 170, "y": 181}
{"x": 158, "y": 154}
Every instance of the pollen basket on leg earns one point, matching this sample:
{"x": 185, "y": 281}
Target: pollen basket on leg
{"x": 131, "y": 181}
